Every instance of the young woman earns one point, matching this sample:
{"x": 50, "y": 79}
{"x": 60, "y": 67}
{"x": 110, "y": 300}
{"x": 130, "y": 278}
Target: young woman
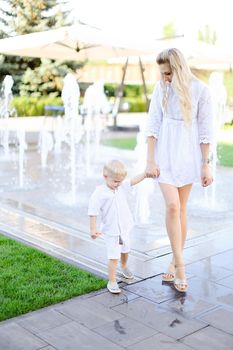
{"x": 179, "y": 135}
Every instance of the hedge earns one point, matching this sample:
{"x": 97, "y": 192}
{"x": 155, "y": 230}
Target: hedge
{"x": 34, "y": 106}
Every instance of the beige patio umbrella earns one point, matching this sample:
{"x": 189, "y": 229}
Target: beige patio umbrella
{"x": 199, "y": 54}
{"x": 77, "y": 42}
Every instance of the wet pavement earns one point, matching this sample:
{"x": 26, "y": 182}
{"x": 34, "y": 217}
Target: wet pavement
{"x": 148, "y": 313}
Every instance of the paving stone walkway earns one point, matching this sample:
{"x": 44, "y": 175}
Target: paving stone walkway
{"x": 148, "y": 314}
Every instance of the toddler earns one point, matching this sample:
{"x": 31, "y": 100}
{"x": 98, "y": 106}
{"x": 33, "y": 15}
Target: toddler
{"x": 109, "y": 200}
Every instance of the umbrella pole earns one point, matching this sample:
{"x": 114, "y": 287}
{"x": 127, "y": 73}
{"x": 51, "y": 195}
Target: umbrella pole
{"x": 142, "y": 69}
{"x": 119, "y": 94}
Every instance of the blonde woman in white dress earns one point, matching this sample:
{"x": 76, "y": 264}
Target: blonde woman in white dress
{"x": 179, "y": 132}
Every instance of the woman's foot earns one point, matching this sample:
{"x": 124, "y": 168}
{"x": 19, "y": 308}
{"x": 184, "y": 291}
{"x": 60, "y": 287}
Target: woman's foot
{"x": 170, "y": 274}
{"x": 180, "y": 282}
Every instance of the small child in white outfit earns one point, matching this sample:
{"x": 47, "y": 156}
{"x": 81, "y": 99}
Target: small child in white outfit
{"x": 109, "y": 200}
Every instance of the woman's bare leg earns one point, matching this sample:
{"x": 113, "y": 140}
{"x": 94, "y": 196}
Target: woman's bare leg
{"x": 184, "y": 196}
{"x": 173, "y": 224}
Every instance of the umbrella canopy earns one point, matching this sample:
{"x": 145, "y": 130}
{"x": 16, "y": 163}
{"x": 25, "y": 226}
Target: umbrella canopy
{"x": 77, "y": 42}
{"x": 198, "y": 54}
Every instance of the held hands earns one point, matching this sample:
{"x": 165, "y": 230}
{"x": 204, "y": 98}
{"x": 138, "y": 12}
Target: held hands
{"x": 152, "y": 169}
{"x": 206, "y": 177}
{"x": 95, "y": 234}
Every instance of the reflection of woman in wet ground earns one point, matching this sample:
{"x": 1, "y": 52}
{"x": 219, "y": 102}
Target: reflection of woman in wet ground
{"x": 179, "y": 136}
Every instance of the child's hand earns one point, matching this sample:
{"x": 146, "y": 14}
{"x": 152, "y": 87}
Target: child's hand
{"x": 95, "y": 234}
{"x": 152, "y": 170}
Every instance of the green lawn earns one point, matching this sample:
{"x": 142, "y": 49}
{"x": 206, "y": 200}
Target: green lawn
{"x": 125, "y": 143}
{"x": 225, "y": 153}
{"x": 224, "y": 149}
{"x": 225, "y": 145}
{"x": 30, "y": 279}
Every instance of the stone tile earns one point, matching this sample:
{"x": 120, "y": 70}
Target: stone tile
{"x": 162, "y": 320}
{"x": 221, "y": 319}
{"x": 210, "y": 291}
{"x": 206, "y": 270}
{"x": 73, "y": 336}
{"x": 204, "y": 250}
{"x": 188, "y": 305}
{"x": 209, "y": 338}
{"x": 74, "y": 244}
{"x": 125, "y": 331}
{"x": 159, "y": 342}
{"x": 148, "y": 237}
{"x": 41, "y": 321}
{"x": 153, "y": 289}
{"x": 145, "y": 269}
{"x": 226, "y": 299}
{"x": 88, "y": 312}
{"x": 227, "y": 282}
{"x": 162, "y": 259}
{"x": 224, "y": 259}
{"x": 109, "y": 300}
{"x": 14, "y": 337}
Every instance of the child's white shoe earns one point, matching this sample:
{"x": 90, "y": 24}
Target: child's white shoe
{"x": 127, "y": 273}
{"x": 113, "y": 287}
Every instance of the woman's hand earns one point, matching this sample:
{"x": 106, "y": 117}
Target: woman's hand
{"x": 206, "y": 177}
{"x": 152, "y": 170}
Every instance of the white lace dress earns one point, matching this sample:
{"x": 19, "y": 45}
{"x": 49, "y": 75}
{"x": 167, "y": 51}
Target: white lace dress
{"x": 178, "y": 152}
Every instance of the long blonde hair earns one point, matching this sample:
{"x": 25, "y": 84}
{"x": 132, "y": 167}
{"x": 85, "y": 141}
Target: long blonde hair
{"x": 181, "y": 80}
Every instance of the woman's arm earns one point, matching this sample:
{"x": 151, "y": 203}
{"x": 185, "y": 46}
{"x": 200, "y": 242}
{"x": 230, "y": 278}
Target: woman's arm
{"x": 205, "y": 128}
{"x": 205, "y": 149}
{"x": 151, "y": 144}
{"x": 153, "y": 127}
{"x": 206, "y": 177}
{"x": 152, "y": 169}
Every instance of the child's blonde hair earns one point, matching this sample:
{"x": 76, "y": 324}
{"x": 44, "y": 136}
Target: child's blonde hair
{"x": 115, "y": 168}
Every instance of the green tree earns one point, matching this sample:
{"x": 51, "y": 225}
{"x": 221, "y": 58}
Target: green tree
{"x": 169, "y": 30}
{"x": 26, "y": 16}
{"x": 23, "y": 17}
{"x": 47, "y": 79}
{"x": 207, "y": 35}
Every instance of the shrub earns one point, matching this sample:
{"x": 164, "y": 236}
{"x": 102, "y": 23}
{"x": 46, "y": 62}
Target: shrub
{"x": 34, "y": 106}
{"x": 136, "y": 104}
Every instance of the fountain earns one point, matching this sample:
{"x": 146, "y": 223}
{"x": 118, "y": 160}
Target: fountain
{"x": 144, "y": 189}
{"x": 5, "y": 108}
{"x": 95, "y": 105}
{"x": 58, "y": 135}
{"x": 219, "y": 97}
{"x": 22, "y": 148}
{"x": 19, "y": 134}
{"x": 70, "y": 97}
{"x": 45, "y": 146}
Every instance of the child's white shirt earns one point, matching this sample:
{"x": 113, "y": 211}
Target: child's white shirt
{"x": 112, "y": 206}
